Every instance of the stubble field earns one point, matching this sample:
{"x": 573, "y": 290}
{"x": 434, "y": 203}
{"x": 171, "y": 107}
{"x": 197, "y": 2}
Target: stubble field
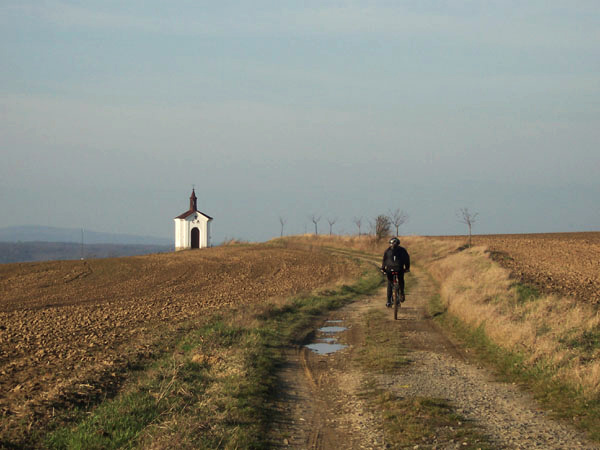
{"x": 563, "y": 263}
{"x": 69, "y": 328}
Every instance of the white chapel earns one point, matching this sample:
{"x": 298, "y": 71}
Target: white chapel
{"x": 192, "y": 228}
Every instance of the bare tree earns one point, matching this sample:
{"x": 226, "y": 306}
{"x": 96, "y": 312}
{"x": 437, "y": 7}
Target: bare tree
{"x": 315, "y": 219}
{"x": 358, "y": 222}
{"x": 382, "y": 226}
{"x": 468, "y": 218}
{"x": 398, "y": 217}
{"x": 331, "y": 223}
{"x": 282, "y": 221}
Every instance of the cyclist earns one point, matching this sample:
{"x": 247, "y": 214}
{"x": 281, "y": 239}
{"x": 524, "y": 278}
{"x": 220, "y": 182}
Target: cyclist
{"x": 396, "y": 259}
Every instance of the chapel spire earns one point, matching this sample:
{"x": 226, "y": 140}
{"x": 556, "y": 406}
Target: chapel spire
{"x": 193, "y": 201}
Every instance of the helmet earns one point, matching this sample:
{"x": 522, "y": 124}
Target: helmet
{"x": 394, "y": 241}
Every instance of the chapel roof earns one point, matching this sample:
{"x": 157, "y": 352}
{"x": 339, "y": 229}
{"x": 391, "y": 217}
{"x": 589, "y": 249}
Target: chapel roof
{"x": 193, "y": 208}
{"x": 192, "y": 211}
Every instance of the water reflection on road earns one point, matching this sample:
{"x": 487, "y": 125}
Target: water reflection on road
{"x": 325, "y": 345}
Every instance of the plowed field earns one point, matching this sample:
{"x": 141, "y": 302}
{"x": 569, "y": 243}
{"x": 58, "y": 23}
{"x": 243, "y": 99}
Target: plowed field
{"x": 68, "y": 328}
{"x": 564, "y": 263}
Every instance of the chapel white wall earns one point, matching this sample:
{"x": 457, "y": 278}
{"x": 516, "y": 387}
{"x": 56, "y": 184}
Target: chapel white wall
{"x": 183, "y": 232}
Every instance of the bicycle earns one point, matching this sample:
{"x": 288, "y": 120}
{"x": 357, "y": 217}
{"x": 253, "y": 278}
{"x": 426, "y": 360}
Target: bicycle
{"x": 397, "y": 298}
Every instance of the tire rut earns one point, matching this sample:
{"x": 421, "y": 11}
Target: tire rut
{"x": 320, "y": 406}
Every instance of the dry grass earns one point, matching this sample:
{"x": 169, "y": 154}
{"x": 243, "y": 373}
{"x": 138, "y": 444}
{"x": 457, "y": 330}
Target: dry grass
{"x": 364, "y": 243}
{"x": 551, "y": 332}
{"x": 233, "y": 241}
{"x": 575, "y": 273}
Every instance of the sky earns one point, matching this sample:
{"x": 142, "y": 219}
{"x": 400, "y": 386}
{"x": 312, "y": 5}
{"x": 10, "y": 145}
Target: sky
{"x": 110, "y": 112}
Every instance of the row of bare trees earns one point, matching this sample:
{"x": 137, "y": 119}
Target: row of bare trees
{"x": 330, "y": 220}
{"x": 382, "y": 225}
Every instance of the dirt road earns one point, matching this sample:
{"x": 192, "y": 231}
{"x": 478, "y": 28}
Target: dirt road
{"x": 324, "y": 407}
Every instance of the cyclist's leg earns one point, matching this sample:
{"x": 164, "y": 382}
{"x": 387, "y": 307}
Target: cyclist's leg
{"x": 401, "y": 280}
{"x": 389, "y": 288}
{"x": 397, "y": 299}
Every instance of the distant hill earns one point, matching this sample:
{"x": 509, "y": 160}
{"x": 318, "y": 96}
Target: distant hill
{"x": 35, "y": 243}
{"x": 12, "y": 252}
{"x": 31, "y": 233}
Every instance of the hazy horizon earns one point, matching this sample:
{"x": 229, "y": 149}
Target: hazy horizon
{"x": 112, "y": 111}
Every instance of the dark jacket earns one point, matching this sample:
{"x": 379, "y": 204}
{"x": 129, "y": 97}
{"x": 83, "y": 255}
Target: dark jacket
{"x": 396, "y": 259}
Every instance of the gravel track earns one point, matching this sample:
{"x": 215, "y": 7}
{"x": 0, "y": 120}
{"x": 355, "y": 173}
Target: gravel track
{"x": 506, "y": 413}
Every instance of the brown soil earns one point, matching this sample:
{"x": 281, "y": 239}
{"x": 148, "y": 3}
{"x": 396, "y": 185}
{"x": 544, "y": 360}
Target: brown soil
{"x": 564, "y": 263}
{"x": 69, "y": 328}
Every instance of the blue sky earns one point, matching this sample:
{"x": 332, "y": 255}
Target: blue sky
{"x": 111, "y": 111}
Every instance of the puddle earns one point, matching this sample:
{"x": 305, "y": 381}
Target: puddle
{"x": 332, "y": 329}
{"x": 327, "y": 345}
{"x": 323, "y": 348}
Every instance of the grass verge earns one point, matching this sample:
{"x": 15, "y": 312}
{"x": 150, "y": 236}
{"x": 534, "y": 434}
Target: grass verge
{"x": 214, "y": 390}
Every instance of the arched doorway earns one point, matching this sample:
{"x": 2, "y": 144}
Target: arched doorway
{"x": 195, "y": 238}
